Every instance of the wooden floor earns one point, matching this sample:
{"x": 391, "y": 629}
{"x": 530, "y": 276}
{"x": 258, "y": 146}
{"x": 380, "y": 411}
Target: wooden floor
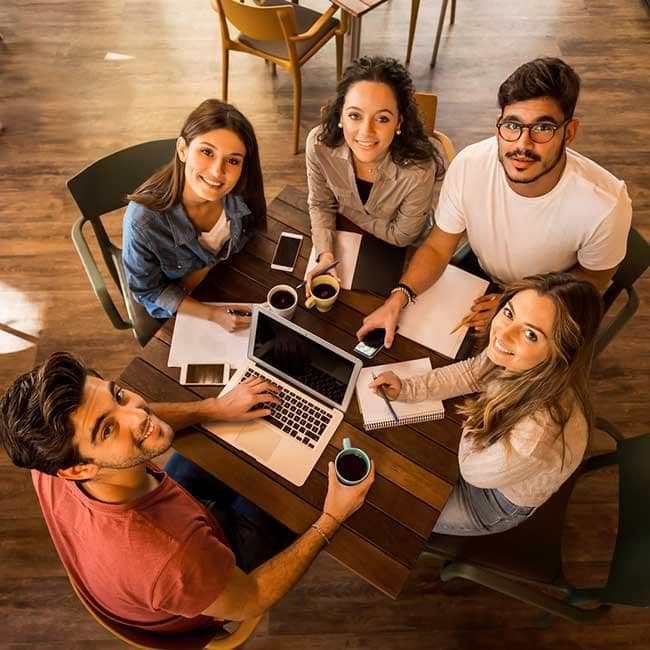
{"x": 63, "y": 106}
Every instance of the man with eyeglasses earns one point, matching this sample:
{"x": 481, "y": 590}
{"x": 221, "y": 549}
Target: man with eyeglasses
{"x": 527, "y": 203}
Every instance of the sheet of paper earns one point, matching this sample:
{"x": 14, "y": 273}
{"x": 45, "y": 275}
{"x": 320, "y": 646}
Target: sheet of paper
{"x": 196, "y": 340}
{"x": 440, "y": 308}
{"x": 372, "y": 406}
{"x": 346, "y": 251}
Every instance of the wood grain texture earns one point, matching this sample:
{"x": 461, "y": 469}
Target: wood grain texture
{"x": 63, "y": 106}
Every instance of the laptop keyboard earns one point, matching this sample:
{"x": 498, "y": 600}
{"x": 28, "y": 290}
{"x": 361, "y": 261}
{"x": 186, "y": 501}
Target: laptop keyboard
{"x": 302, "y": 420}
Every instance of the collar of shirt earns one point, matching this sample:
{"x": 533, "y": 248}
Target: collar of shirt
{"x": 386, "y": 168}
{"x": 183, "y": 231}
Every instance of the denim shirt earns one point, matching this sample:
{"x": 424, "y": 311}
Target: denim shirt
{"x": 160, "y": 248}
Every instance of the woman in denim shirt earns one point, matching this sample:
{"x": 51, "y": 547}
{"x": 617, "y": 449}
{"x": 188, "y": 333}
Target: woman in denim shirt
{"x": 194, "y": 213}
{"x": 370, "y": 159}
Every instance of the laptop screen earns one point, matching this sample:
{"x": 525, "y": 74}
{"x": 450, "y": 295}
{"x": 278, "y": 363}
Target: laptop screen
{"x": 316, "y": 366}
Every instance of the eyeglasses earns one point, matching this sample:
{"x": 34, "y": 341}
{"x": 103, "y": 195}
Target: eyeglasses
{"x": 541, "y": 133}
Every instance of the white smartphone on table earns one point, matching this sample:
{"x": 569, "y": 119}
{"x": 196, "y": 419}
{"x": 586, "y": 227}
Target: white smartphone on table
{"x": 205, "y": 374}
{"x": 286, "y": 251}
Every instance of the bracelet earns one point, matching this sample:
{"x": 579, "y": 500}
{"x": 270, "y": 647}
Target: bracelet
{"x": 338, "y": 523}
{"x": 410, "y": 296}
{"x": 322, "y": 533}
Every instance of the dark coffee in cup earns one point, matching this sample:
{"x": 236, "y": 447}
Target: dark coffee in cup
{"x": 323, "y": 291}
{"x": 352, "y": 467}
{"x": 282, "y": 300}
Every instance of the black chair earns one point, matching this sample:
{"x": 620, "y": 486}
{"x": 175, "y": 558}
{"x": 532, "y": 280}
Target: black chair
{"x": 519, "y": 561}
{"x": 97, "y": 190}
{"x": 637, "y": 260}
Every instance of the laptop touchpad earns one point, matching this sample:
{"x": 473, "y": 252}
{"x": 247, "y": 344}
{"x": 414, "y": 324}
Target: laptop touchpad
{"x": 259, "y": 443}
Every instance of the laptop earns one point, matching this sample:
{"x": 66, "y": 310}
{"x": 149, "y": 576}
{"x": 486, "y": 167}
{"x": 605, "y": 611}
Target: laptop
{"x": 317, "y": 381}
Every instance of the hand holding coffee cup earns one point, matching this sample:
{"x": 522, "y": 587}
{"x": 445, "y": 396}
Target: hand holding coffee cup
{"x": 324, "y": 292}
{"x": 326, "y": 264}
{"x": 343, "y": 500}
{"x": 352, "y": 464}
{"x": 282, "y": 299}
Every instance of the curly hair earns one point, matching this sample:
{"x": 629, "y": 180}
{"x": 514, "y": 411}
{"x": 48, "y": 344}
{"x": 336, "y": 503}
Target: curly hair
{"x": 412, "y": 145}
{"x": 35, "y": 426}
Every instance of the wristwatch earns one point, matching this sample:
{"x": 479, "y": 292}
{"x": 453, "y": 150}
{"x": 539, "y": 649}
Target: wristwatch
{"x": 407, "y": 291}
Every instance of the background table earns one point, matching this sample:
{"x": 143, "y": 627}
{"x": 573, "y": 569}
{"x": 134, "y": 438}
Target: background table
{"x": 355, "y": 9}
{"x": 416, "y": 466}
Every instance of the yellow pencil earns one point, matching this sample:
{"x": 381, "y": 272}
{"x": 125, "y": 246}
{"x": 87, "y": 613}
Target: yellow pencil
{"x": 466, "y": 321}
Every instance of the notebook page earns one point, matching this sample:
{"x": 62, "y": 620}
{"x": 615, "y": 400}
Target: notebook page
{"x": 374, "y": 409}
{"x": 196, "y": 340}
{"x": 440, "y": 308}
{"x": 346, "y": 251}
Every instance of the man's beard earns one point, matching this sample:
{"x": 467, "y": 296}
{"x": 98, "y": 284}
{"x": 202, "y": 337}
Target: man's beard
{"x": 136, "y": 460}
{"x": 527, "y": 153}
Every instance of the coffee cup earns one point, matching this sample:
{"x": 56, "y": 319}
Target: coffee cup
{"x": 324, "y": 292}
{"x": 352, "y": 464}
{"x": 282, "y": 300}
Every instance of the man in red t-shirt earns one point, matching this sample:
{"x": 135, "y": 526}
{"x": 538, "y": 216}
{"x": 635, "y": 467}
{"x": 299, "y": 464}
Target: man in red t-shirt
{"x": 142, "y": 549}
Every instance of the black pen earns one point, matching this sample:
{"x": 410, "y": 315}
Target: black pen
{"x": 388, "y": 404}
{"x": 239, "y": 312}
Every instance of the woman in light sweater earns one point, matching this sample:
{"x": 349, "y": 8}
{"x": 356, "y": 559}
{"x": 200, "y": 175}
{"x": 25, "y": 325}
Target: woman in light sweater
{"x": 527, "y": 430}
{"x": 195, "y": 212}
{"x": 370, "y": 160}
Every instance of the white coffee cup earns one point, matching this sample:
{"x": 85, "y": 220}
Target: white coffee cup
{"x": 282, "y": 300}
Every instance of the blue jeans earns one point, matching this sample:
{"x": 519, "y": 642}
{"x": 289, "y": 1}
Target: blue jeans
{"x": 254, "y": 536}
{"x": 478, "y": 511}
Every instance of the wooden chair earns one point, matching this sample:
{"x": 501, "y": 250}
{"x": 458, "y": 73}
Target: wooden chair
{"x": 415, "y": 8}
{"x": 522, "y": 560}
{"x": 136, "y": 638}
{"x": 428, "y": 106}
{"x": 97, "y": 190}
{"x": 285, "y": 34}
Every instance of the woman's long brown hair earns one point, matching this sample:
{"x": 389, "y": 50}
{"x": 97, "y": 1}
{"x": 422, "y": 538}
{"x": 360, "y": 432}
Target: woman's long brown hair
{"x": 164, "y": 189}
{"x": 548, "y": 385}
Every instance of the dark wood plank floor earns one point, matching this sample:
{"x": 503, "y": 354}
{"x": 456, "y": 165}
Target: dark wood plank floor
{"x": 63, "y": 106}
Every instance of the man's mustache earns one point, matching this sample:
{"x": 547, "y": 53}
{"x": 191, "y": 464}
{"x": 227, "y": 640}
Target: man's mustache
{"x": 523, "y": 153}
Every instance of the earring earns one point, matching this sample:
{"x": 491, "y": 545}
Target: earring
{"x": 340, "y": 125}
{"x": 398, "y": 132}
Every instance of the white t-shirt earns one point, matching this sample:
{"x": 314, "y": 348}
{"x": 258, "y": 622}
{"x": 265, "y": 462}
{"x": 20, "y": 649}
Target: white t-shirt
{"x": 585, "y": 218}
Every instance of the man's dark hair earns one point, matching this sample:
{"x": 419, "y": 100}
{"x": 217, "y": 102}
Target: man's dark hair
{"x": 35, "y": 426}
{"x": 544, "y": 77}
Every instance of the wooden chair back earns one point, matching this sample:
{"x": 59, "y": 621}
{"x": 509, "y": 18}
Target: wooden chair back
{"x": 427, "y": 104}
{"x": 210, "y": 639}
{"x": 272, "y": 23}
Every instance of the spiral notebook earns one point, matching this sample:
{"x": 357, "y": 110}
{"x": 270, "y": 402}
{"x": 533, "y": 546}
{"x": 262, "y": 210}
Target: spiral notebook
{"x": 373, "y": 408}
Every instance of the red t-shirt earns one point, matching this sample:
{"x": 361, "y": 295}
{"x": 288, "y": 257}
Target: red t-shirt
{"x": 155, "y": 563}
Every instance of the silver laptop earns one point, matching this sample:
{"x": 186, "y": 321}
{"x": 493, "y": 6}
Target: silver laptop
{"x": 317, "y": 381}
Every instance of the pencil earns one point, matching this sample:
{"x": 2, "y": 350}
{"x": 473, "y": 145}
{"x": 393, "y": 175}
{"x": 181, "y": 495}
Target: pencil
{"x": 388, "y": 404}
{"x": 466, "y": 321}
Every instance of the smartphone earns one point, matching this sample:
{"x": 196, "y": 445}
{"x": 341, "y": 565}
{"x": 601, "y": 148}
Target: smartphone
{"x": 205, "y": 374}
{"x": 286, "y": 251}
{"x": 371, "y": 344}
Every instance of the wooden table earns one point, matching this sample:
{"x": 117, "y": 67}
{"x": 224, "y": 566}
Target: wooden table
{"x": 355, "y": 9}
{"x": 416, "y": 466}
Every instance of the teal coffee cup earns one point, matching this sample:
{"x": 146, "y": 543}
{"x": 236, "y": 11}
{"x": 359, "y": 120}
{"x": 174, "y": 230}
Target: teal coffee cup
{"x": 352, "y": 464}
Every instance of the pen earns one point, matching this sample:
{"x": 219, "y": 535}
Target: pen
{"x": 467, "y": 320}
{"x": 325, "y": 270}
{"x": 388, "y": 404}
{"x": 239, "y": 312}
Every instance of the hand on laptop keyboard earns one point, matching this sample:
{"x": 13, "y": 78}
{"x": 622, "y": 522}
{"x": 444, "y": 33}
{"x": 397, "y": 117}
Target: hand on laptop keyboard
{"x": 252, "y": 398}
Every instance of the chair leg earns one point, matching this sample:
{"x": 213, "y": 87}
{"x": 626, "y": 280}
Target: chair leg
{"x": 274, "y": 69}
{"x": 339, "y": 56}
{"x": 225, "y": 53}
{"x": 452, "y": 17}
{"x": 441, "y": 20}
{"x": 415, "y": 8}
{"x": 521, "y": 592}
{"x": 297, "y": 95}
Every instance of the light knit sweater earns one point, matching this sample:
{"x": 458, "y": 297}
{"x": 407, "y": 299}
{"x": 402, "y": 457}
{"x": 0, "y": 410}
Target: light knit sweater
{"x": 526, "y": 465}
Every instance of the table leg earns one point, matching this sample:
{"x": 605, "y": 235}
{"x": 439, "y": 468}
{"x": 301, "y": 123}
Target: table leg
{"x": 355, "y": 36}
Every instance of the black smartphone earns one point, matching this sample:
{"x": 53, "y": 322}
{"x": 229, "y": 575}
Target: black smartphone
{"x": 371, "y": 344}
{"x": 286, "y": 252}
